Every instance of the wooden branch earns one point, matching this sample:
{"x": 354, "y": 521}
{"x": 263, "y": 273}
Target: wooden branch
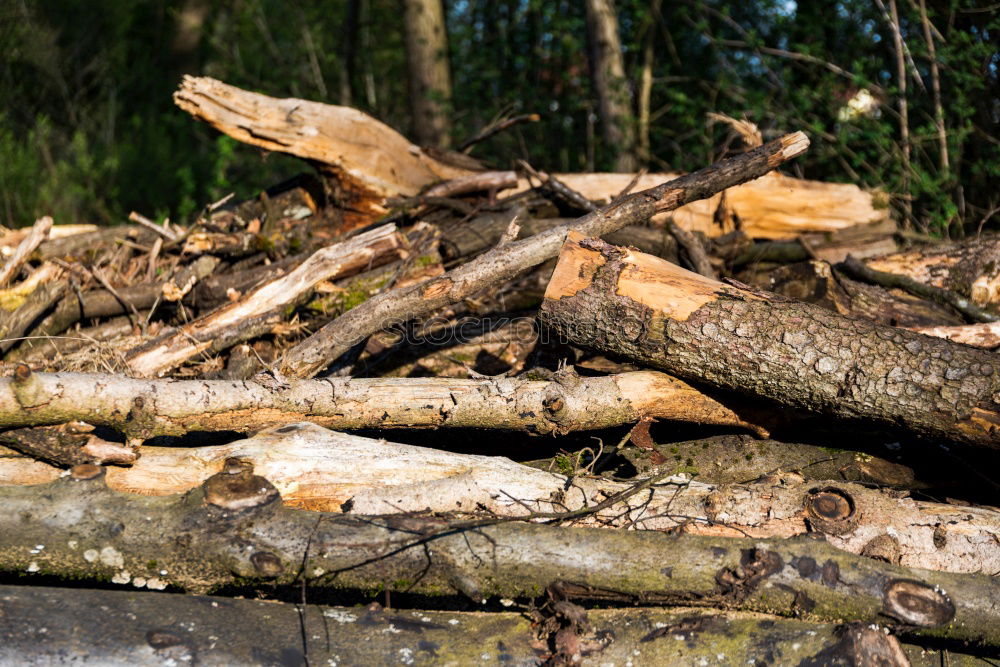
{"x": 243, "y": 319}
{"x": 970, "y": 267}
{"x": 66, "y": 445}
{"x": 14, "y": 325}
{"x": 942, "y": 296}
{"x": 486, "y": 181}
{"x": 39, "y": 232}
{"x": 496, "y": 128}
{"x": 484, "y": 231}
{"x": 798, "y": 354}
{"x": 695, "y": 250}
{"x": 146, "y": 408}
{"x": 317, "y": 469}
{"x": 136, "y": 628}
{"x": 504, "y": 263}
{"x": 233, "y": 529}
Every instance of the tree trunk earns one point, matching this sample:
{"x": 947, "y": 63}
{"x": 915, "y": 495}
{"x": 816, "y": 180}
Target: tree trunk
{"x": 429, "y": 75}
{"x": 135, "y": 628}
{"x": 233, "y": 530}
{"x": 797, "y": 354}
{"x": 614, "y": 98}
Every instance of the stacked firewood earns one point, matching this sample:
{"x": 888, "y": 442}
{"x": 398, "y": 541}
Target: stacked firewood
{"x": 743, "y": 416}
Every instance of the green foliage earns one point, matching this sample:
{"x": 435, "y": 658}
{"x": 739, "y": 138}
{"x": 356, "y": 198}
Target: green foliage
{"x": 90, "y": 132}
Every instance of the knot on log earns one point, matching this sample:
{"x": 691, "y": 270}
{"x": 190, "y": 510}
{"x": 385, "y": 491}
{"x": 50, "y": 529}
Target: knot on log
{"x": 917, "y": 603}
{"x": 86, "y": 471}
{"x": 237, "y": 488}
{"x": 831, "y": 510}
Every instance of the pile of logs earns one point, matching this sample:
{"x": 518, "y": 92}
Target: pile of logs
{"x": 470, "y": 410}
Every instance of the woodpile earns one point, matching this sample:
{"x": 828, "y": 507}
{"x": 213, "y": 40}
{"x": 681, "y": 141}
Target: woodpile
{"x": 728, "y": 404}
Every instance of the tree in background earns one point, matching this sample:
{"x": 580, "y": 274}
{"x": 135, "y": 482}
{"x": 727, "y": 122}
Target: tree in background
{"x": 608, "y": 71}
{"x": 429, "y": 75}
{"x": 89, "y": 131}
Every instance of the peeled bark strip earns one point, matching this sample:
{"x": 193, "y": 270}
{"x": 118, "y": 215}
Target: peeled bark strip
{"x": 136, "y": 628}
{"x": 985, "y": 335}
{"x": 798, "y": 354}
{"x": 147, "y": 408}
{"x": 234, "y": 529}
{"x": 505, "y": 262}
{"x": 241, "y": 319}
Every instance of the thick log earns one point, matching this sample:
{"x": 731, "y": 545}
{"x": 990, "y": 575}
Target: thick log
{"x": 507, "y": 261}
{"x": 147, "y": 408}
{"x": 738, "y": 458}
{"x": 233, "y": 529}
{"x": 317, "y": 469}
{"x": 798, "y": 354}
{"x": 373, "y": 162}
{"x": 259, "y": 310}
{"x": 136, "y": 628}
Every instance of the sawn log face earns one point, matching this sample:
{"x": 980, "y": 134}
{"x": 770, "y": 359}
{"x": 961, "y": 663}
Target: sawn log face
{"x": 621, "y": 301}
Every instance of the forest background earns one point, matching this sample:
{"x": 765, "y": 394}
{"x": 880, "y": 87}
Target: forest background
{"x": 88, "y": 130}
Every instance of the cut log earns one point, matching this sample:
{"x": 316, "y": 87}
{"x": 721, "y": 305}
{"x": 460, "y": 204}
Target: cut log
{"x": 507, "y": 261}
{"x": 258, "y": 311}
{"x": 970, "y": 267}
{"x": 317, "y": 469}
{"x": 233, "y": 530}
{"x": 136, "y": 628}
{"x": 372, "y": 162}
{"x": 797, "y": 354}
{"x": 147, "y": 408}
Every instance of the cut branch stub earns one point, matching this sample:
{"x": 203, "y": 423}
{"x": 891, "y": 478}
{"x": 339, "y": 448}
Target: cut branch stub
{"x": 832, "y": 511}
{"x": 917, "y": 603}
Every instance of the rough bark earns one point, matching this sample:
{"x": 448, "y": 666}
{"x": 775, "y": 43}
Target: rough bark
{"x": 614, "y": 98}
{"x": 147, "y": 408}
{"x": 428, "y": 71}
{"x": 797, "y": 354}
{"x": 233, "y": 529}
{"x": 257, "y": 311}
{"x": 507, "y": 261}
{"x": 139, "y": 628}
